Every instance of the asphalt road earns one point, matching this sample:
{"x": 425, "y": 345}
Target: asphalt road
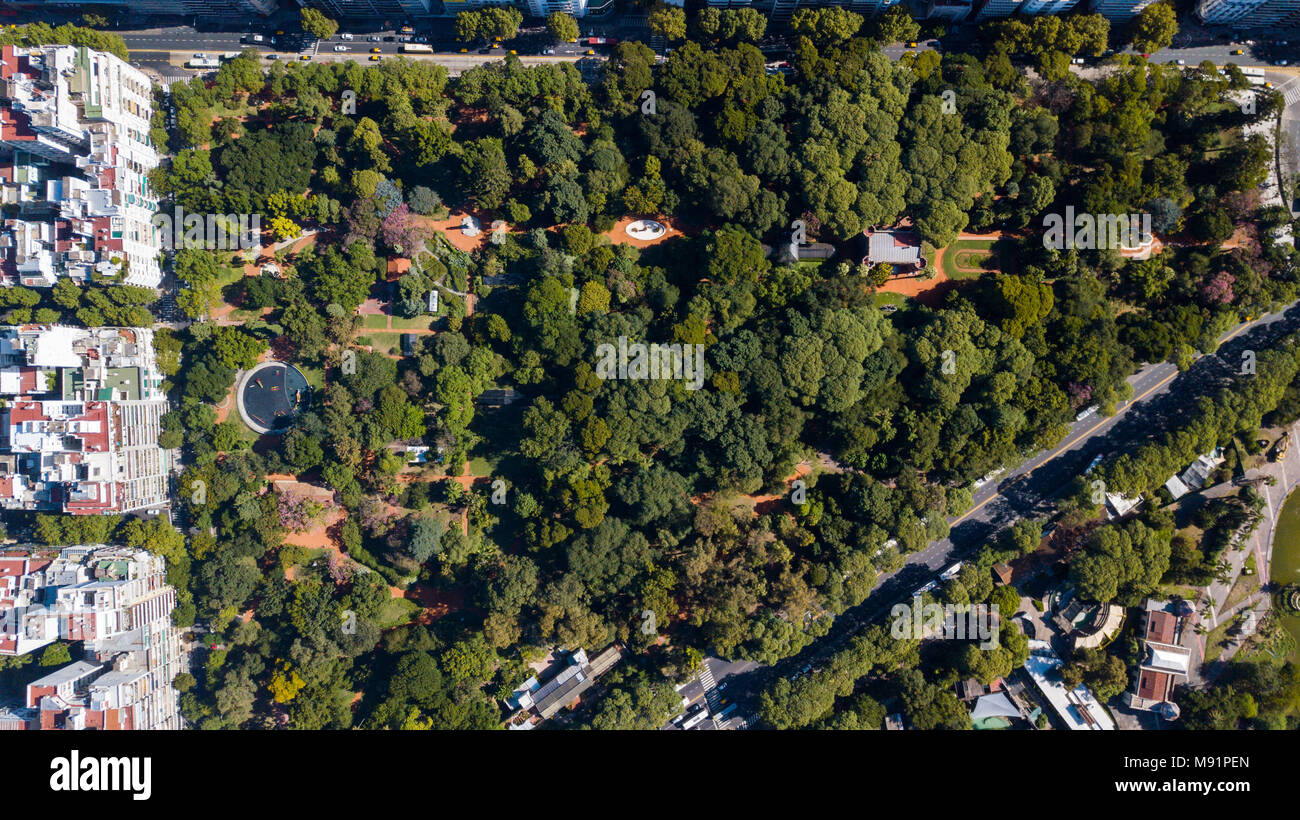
{"x": 181, "y": 43}
{"x": 1161, "y": 396}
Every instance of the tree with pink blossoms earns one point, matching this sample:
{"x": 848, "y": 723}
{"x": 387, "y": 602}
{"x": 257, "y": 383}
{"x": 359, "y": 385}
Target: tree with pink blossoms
{"x": 400, "y": 232}
{"x": 1217, "y": 290}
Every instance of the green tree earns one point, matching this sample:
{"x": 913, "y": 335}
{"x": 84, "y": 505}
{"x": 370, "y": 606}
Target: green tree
{"x": 316, "y": 23}
{"x": 1155, "y": 27}
{"x": 562, "y": 27}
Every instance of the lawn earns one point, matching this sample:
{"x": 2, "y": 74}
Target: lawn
{"x": 396, "y": 612}
{"x": 885, "y": 298}
{"x": 372, "y": 322}
{"x": 382, "y": 342}
{"x": 1243, "y": 586}
{"x": 417, "y": 323}
{"x": 966, "y": 258}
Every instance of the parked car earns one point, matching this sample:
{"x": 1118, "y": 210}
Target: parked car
{"x": 340, "y": 48}
{"x": 345, "y": 36}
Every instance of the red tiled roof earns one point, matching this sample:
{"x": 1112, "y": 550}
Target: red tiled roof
{"x": 1153, "y": 685}
{"x": 1161, "y": 627}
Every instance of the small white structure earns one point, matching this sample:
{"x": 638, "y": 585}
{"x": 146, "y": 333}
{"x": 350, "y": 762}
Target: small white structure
{"x": 470, "y": 226}
{"x": 645, "y": 229}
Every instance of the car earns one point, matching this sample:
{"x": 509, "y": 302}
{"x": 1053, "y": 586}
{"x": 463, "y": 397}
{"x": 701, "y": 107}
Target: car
{"x": 200, "y": 56}
{"x": 590, "y": 52}
{"x": 256, "y": 38}
{"x": 1076, "y": 61}
{"x": 408, "y": 30}
{"x": 340, "y": 48}
{"x": 1268, "y": 85}
{"x": 273, "y": 56}
{"x": 1181, "y": 62}
{"x": 374, "y": 51}
{"x": 548, "y": 51}
{"x": 1280, "y": 62}
{"x": 464, "y": 51}
{"x": 374, "y": 58}
{"x": 345, "y": 36}
{"x": 722, "y": 686}
{"x": 421, "y": 39}
{"x": 304, "y": 56}
{"x": 1237, "y": 52}
{"x": 405, "y": 38}
{"x": 1281, "y": 42}
{"x": 374, "y": 38}
{"x": 279, "y": 32}
{"x": 911, "y": 45}
{"x": 1144, "y": 56}
{"x": 512, "y": 51}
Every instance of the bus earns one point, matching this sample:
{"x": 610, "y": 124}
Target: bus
{"x": 416, "y": 48}
{"x": 695, "y": 719}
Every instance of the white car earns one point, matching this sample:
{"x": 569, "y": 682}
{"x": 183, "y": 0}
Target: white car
{"x": 1181, "y": 62}
{"x": 1280, "y": 62}
{"x": 345, "y": 36}
{"x": 340, "y": 48}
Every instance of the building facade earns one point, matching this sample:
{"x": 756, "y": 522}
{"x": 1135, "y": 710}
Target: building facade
{"x": 81, "y": 418}
{"x": 116, "y": 600}
{"x": 1249, "y": 13}
{"x": 75, "y": 154}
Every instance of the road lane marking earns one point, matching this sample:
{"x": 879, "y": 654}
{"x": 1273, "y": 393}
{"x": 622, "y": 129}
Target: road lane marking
{"x": 1088, "y": 433}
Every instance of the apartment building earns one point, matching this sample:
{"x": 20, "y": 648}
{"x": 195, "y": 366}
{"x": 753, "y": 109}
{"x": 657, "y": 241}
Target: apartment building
{"x": 1249, "y": 13}
{"x": 116, "y": 600}
{"x": 396, "y": 11}
{"x": 75, "y": 155}
{"x": 80, "y": 422}
{"x": 205, "y": 9}
{"x": 1120, "y": 10}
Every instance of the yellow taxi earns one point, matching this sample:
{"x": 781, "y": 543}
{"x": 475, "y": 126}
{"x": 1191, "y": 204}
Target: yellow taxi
{"x": 374, "y": 58}
{"x": 464, "y": 51}
{"x": 304, "y": 56}
{"x": 374, "y": 51}
{"x": 590, "y": 52}
{"x": 911, "y": 45}
{"x": 1236, "y": 51}
{"x": 512, "y": 51}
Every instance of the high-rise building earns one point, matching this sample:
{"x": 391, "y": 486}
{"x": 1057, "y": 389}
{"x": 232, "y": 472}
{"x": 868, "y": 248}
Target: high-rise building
{"x": 1120, "y": 9}
{"x": 116, "y": 600}
{"x": 1251, "y": 13}
{"x": 394, "y": 11}
{"x": 206, "y": 9}
{"x": 75, "y": 155}
{"x": 993, "y": 9}
{"x": 542, "y": 8}
{"x": 80, "y": 422}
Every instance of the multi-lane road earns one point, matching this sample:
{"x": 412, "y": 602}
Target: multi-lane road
{"x": 1161, "y": 396}
{"x": 171, "y": 47}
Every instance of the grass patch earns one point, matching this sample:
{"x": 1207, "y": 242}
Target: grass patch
{"x": 1244, "y": 586}
{"x": 417, "y": 323}
{"x": 373, "y": 322}
{"x": 480, "y": 466}
{"x": 315, "y": 376}
{"x": 885, "y": 298}
{"x": 385, "y": 342}
{"x": 396, "y": 612}
{"x": 967, "y": 258}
